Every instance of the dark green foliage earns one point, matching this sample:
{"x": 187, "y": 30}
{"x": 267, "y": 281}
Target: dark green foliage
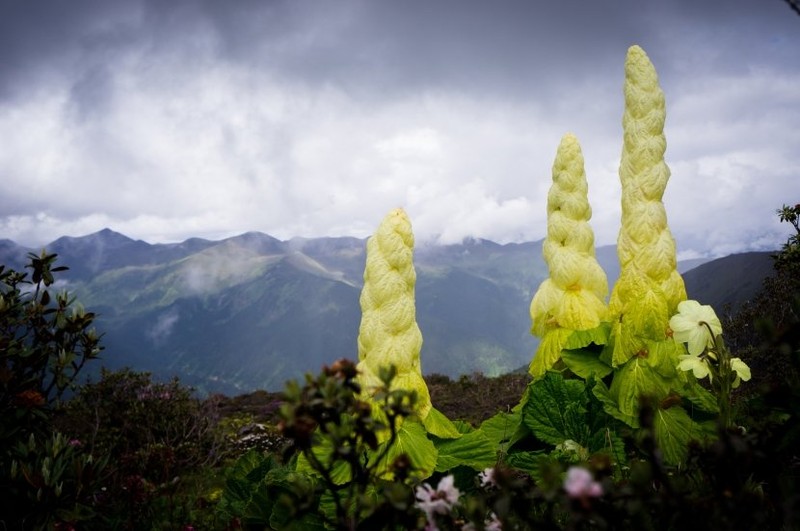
{"x": 155, "y": 434}
{"x": 789, "y": 256}
{"x": 765, "y": 331}
{"x": 341, "y": 468}
{"x": 254, "y": 485}
{"x": 46, "y": 338}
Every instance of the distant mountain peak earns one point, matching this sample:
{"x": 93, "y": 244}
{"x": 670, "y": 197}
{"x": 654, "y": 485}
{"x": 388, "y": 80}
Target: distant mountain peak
{"x": 104, "y": 236}
{"x": 258, "y": 242}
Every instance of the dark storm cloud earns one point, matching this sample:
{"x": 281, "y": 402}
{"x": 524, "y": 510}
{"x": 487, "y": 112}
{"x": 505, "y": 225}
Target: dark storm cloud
{"x": 380, "y": 47}
{"x": 169, "y": 119}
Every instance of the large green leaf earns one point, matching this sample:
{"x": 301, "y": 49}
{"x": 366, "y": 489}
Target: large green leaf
{"x": 583, "y": 338}
{"x": 610, "y": 405}
{"x": 673, "y": 432}
{"x": 549, "y": 351}
{"x": 607, "y": 441}
{"x": 412, "y": 440}
{"x": 284, "y": 519}
{"x": 622, "y": 345}
{"x": 440, "y": 426}
{"x": 525, "y": 461}
{"x": 248, "y": 485}
{"x": 700, "y": 397}
{"x": 662, "y": 356}
{"x": 323, "y": 452}
{"x": 585, "y": 363}
{"x": 634, "y": 380}
{"x": 473, "y": 449}
{"x": 555, "y": 410}
{"x": 506, "y": 429}
{"x": 500, "y": 428}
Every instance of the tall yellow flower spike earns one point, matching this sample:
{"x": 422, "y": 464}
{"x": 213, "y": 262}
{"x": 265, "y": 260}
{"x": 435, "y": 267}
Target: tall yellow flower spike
{"x": 572, "y": 298}
{"x": 389, "y": 334}
{"x": 650, "y": 287}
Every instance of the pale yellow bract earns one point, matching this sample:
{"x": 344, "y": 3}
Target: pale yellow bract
{"x": 389, "y": 334}
{"x": 572, "y": 298}
{"x": 645, "y": 245}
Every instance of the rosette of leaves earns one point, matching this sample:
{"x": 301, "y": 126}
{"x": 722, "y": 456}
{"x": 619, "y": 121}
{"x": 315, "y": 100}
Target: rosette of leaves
{"x": 389, "y": 345}
{"x": 643, "y": 356}
{"x": 573, "y": 296}
{"x": 388, "y": 334}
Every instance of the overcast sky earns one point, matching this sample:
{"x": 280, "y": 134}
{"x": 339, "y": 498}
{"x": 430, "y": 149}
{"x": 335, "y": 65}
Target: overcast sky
{"x": 165, "y": 120}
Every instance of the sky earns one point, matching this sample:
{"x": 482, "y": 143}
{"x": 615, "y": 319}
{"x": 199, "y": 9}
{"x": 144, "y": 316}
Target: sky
{"x": 169, "y": 120}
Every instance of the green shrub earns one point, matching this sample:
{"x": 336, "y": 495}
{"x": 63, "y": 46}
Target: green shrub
{"x": 46, "y": 339}
{"x": 156, "y": 435}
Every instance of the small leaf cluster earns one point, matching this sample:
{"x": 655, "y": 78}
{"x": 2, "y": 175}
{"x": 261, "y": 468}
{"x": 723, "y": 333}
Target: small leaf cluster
{"x": 343, "y": 468}
{"x": 154, "y": 434}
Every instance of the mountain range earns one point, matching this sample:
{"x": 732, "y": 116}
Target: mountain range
{"x": 251, "y": 311}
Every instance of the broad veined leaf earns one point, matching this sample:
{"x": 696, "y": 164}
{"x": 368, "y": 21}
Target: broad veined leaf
{"x": 463, "y": 427}
{"x": 440, "y": 426}
{"x": 648, "y": 315}
{"x": 634, "y": 380}
{"x": 585, "y": 363}
{"x": 525, "y": 461}
{"x": 700, "y": 397}
{"x": 322, "y": 451}
{"x": 623, "y": 344}
{"x": 284, "y": 519}
{"x": 473, "y": 449}
{"x": 412, "y": 440}
{"x": 583, "y": 338}
{"x": 610, "y": 405}
{"x": 549, "y": 351}
{"x": 607, "y": 441}
{"x": 662, "y": 356}
{"x": 556, "y": 409}
{"x": 506, "y": 429}
{"x": 602, "y": 426}
{"x": 501, "y": 428}
{"x": 247, "y": 489}
{"x": 673, "y": 432}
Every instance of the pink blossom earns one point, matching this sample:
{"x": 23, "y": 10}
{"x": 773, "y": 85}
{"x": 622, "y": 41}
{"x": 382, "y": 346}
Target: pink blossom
{"x": 439, "y": 501}
{"x": 580, "y": 484}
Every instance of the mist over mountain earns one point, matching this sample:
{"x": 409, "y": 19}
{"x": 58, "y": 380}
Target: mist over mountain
{"x": 251, "y": 311}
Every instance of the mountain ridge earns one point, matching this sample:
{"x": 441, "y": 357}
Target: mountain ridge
{"x": 251, "y": 311}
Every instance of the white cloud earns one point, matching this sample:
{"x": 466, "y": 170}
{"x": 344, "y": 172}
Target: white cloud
{"x": 318, "y": 128}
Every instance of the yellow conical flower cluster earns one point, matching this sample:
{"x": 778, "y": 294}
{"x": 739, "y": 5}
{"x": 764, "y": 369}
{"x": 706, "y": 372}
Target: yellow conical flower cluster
{"x": 650, "y": 287}
{"x": 389, "y": 334}
{"x": 572, "y": 298}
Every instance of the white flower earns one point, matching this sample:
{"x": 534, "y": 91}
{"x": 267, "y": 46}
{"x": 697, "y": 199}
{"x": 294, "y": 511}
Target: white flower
{"x": 580, "y": 484}
{"x": 695, "y": 364}
{"x": 439, "y": 501}
{"x": 487, "y": 478}
{"x": 742, "y": 371}
{"x": 691, "y": 326}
